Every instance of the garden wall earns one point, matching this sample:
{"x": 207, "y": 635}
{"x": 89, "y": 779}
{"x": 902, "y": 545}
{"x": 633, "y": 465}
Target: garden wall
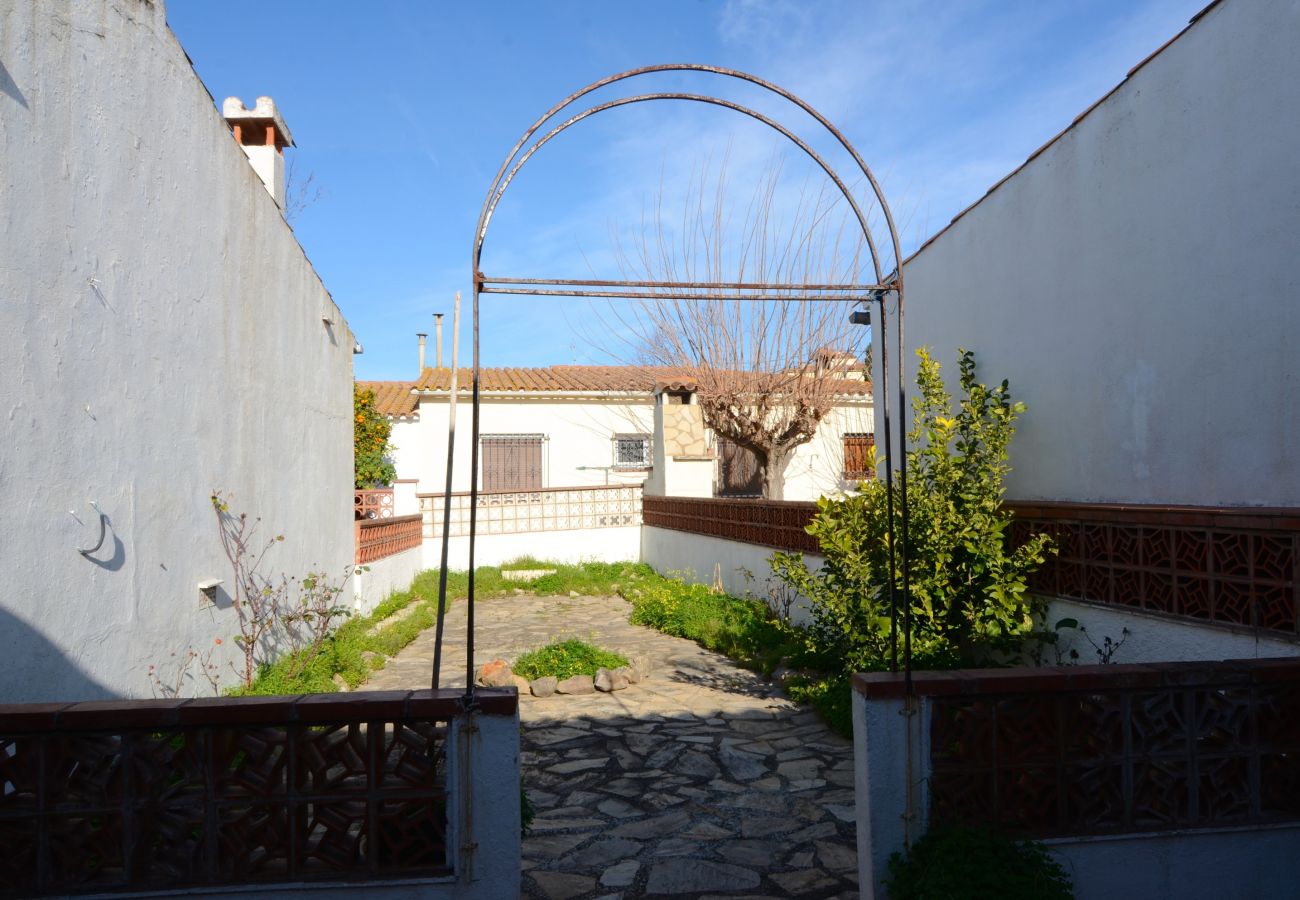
{"x": 162, "y": 335}
{"x": 1163, "y": 780}
{"x": 1132, "y": 280}
{"x": 729, "y": 540}
{"x": 574, "y": 546}
{"x": 384, "y": 576}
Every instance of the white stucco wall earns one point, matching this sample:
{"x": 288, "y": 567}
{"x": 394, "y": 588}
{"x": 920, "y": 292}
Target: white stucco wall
{"x": 743, "y": 568}
{"x": 384, "y": 576}
{"x": 161, "y": 335}
{"x": 587, "y": 545}
{"x": 579, "y": 432}
{"x": 817, "y": 468}
{"x": 1154, "y": 638}
{"x": 1136, "y": 282}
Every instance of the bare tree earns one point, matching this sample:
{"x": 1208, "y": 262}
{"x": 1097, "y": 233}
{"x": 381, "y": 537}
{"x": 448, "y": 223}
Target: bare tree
{"x": 766, "y": 372}
{"x": 299, "y": 192}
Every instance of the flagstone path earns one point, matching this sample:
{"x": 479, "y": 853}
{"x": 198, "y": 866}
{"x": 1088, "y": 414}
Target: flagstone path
{"x": 702, "y": 781}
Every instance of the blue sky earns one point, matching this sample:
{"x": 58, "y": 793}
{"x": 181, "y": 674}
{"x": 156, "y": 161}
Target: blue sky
{"x": 403, "y": 111}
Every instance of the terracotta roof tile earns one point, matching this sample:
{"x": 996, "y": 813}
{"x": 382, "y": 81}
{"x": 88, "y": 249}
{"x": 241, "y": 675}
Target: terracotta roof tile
{"x": 394, "y": 398}
{"x": 618, "y": 379}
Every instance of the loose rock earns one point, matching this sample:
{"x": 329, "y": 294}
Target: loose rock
{"x": 340, "y": 682}
{"x": 578, "y": 684}
{"x": 544, "y": 686}
{"x": 496, "y": 674}
{"x": 522, "y": 684}
{"x": 610, "y": 681}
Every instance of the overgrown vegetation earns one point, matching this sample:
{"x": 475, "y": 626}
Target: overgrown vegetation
{"x": 564, "y": 659}
{"x": 967, "y": 863}
{"x": 371, "y": 450}
{"x": 344, "y": 651}
{"x": 969, "y": 599}
{"x": 741, "y": 628}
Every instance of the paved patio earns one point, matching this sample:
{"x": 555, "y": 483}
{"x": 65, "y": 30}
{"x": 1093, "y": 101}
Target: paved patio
{"x": 702, "y": 781}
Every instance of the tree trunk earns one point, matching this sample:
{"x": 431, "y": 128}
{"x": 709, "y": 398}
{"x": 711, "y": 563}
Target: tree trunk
{"x": 772, "y": 465}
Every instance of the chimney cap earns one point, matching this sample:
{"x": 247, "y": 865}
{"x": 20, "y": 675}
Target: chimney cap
{"x": 263, "y": 113}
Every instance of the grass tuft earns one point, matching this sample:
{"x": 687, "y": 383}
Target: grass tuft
{"x": 564, "y": 659}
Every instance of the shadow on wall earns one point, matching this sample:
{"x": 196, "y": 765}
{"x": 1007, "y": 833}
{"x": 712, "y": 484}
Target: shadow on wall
{"x": 37, "y": 670}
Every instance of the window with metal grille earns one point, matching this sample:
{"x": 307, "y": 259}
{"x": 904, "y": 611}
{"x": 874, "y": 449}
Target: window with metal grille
{"x": 512, "y": 462}
{"x": 857, "y": 457}
{"x": 631, "y": 451}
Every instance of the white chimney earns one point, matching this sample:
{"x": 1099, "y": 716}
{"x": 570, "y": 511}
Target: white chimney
{"x": 421, "y": 335}
{"x": 437, "y": 336}
{"x": 262, "y": 135}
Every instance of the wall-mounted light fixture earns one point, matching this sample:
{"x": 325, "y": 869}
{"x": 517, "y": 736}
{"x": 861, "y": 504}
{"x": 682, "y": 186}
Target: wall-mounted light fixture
{"x": 208, "y": 588}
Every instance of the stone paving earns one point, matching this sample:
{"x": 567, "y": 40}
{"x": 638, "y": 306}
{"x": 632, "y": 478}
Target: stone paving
{"x": 703, "y": 780}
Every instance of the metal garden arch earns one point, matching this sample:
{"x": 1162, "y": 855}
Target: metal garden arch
{"x": 852, "y": 294}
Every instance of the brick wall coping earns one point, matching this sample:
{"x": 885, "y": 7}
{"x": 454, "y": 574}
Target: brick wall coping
{"x": 1049, "y": 679}
{"x": 1280, "y": 518}
{"x": 305, "y": 709}
{"x": 393, "y": 520}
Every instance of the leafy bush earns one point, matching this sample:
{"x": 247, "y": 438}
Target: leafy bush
{"x": 742, "y": 629}
{"x": 370, "y": 447}
{"x": 965, "y": 863}
{"x": 564, "y": 659}
{"x": 968, "y": 591}
{"x": 830, "y": 695}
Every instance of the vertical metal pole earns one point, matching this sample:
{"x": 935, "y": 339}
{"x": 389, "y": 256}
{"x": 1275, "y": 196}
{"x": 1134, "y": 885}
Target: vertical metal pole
{"x": 889, "y": 483}
{"x": 473, "y": 505}
{"x": 902, "y": 478}
{"x": 446, "y": 496}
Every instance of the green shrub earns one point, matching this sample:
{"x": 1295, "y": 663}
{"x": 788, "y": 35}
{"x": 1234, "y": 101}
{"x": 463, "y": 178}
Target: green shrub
{"x": 966, "y": 863}
{"x": 743, "y": 629}
{"x": 831, "y": 696}
{"x": 564, "y": 659}
{"x": 969, "y": 601}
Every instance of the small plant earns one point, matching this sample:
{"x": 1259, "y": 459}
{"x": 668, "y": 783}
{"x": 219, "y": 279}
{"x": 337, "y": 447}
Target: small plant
{"x": 274, "y": 618}
{"x": 564, "y": 659}
{"x": 1067, "y": 655}
{"x": 969, "y": 863}
{"x": 171, "y": 687}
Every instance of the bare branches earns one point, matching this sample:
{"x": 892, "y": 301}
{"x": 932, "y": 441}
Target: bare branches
{"x": 766, "y": 372}
{"x": 271, "y": 615}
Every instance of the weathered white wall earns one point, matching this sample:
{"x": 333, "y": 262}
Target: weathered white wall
{"x": 743, "y": 568}
{"x": 817, "y": 468}
{"x": 384, "y": 576}
{"x": 161, "y": 335}
{"x": 579, "y": 432}
{"x": 1136, "y": 281}
{"x": 1224, "y": 864}
{"x": 1154, "y": 638}
{"x": 587, "y": 545}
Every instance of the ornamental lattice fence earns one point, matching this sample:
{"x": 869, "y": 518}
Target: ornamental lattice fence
{"x": 180, "y": 794}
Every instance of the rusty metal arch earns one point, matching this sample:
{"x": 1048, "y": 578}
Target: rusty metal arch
{"x": 851, "y": 293}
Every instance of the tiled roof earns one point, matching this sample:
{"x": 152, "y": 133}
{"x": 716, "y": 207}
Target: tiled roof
{"x": 393, "y": 398}
{"x": 618, "y": 379}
